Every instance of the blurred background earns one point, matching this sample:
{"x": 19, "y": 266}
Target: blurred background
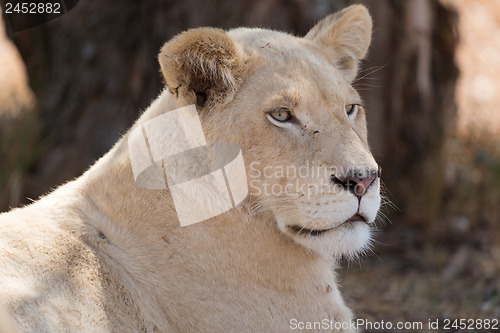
{"x": 70, "y": 88}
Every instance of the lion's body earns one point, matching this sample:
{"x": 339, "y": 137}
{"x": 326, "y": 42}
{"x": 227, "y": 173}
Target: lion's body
{"x": 51, "y": 279}
{"x": 58, "y": 274}
{"x": 101, "y": 254}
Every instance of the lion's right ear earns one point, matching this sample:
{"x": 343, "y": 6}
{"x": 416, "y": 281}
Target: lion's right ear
{"x": 345, "y": 36}
{"x": 200, "y": 65}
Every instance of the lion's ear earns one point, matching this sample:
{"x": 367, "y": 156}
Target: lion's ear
{"x": 345, "y": 36}
{"x": 201, "y": 64}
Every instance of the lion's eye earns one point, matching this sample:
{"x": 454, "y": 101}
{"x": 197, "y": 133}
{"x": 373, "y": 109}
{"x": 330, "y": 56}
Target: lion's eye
{"x": 351, "y": 109}
{"x": 281, "y": 115}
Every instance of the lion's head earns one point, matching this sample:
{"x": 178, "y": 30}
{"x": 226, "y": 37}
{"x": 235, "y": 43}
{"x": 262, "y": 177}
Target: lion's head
{"x": 288, "y": 102}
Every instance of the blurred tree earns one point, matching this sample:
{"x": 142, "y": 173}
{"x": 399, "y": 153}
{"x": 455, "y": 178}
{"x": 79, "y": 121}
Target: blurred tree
{"x": 17, "y": 122}
{"x": 95, "y": 67}
{"x": 411, "y": 98}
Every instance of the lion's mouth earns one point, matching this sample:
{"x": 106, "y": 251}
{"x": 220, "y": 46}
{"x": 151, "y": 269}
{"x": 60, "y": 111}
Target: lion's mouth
{"x": 316, "y": 232}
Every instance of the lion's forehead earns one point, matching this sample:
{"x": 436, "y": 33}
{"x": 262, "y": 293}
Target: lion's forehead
{"x": 292, "y": 66}
{"x": 255, "y": 38}
{"x": 279, "y": 47}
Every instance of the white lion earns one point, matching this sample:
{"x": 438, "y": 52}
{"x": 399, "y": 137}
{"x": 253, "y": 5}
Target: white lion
{"x": 101, "y": 254}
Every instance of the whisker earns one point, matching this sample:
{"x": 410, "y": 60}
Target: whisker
{"x": 372, "y": 70}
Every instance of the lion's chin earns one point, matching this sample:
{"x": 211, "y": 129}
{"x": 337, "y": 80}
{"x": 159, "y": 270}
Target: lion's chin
{"x": 349, "y": 239}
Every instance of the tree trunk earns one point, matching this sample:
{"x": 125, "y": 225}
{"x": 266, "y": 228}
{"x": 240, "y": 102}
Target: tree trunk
{"x": 411, "y": 103}
{"x": 17, "y": 122}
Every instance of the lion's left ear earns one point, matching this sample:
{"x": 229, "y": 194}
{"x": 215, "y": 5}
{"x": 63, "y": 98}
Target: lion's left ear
{"x": 345, "y": 36}
{"x": 200, "y": 65}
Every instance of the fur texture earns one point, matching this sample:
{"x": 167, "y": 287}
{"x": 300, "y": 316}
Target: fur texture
{"x": 100, "y": 254}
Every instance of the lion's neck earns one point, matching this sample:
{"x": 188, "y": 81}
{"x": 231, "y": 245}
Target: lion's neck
{"x": 237, "y": 253}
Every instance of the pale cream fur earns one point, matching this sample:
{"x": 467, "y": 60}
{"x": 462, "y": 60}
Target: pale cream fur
{"x": 101, "y": 254}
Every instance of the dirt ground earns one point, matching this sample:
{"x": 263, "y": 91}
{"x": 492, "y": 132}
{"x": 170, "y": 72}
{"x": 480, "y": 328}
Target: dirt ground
{"x": 412, "y": 277}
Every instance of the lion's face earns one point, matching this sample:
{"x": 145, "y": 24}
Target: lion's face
{"x": 302, "y": 128}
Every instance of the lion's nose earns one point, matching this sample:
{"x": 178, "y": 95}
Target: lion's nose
{"x": 358, "y": 181}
